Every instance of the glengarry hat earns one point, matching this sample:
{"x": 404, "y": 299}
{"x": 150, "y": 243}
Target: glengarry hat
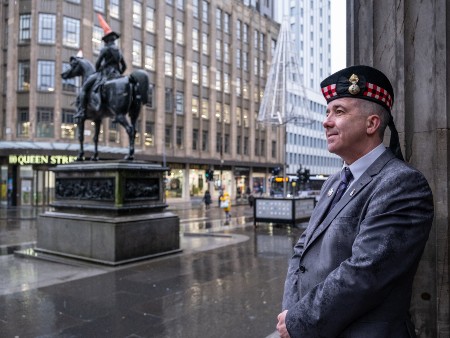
{"x": 366, "y": 83}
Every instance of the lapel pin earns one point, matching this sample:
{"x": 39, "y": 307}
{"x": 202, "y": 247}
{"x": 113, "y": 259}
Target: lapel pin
{"x": 352, "y": 192}
{"x": 330, "y": 192}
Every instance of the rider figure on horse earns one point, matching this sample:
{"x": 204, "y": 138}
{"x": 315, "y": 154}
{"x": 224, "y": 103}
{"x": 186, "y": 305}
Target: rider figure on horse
{"x": 110, "y": 64}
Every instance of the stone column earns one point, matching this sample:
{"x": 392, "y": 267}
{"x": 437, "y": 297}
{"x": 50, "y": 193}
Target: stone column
{"x": 409, "y": 41}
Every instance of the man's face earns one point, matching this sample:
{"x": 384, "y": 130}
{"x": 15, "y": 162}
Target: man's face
{"x": 345, "y": 128}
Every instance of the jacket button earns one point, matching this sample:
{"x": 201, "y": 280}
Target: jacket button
{"x": 302, "y": 269}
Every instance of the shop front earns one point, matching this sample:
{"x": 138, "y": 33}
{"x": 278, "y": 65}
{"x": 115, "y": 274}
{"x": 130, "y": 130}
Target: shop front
{"x": 28, "y": 180}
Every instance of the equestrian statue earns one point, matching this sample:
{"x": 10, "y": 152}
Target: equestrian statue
{"x": 106, "y": 92}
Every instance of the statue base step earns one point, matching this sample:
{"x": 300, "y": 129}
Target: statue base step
{"x": 108, "y": 240}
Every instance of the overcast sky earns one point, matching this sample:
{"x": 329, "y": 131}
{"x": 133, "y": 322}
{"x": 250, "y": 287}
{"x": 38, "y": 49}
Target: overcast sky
{"x": 338, "y": 35}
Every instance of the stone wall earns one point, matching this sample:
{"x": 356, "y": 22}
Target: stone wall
{"x": 409, "y": 41}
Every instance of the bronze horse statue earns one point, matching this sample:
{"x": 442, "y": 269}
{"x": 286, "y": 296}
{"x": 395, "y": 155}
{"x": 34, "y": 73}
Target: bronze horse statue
{"x": 119, "y": 97}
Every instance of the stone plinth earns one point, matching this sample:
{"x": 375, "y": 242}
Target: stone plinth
{"x": 110, "y": 213}
{"x": 109, "y": 187}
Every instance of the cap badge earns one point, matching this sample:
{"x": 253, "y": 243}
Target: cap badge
{"x": 354, "y": 88}
{"x": 330, "y": 192}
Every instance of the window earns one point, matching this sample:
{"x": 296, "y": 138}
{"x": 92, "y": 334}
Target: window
{"x": 218, "y": 50}
{"x": 45, "y": 125}
{"x": 137, "y": 14}
{"x": 245, "y": 145}
{"x": 71, "y": 32}
{"x": 24, "y": 28}
{"x": 168, "y": 100}
{"x": 194, "y": 139}
{"x": 245, "y": 118}
{"x": 168, "y": 137}
{"x": 179, "y": 70}
{"x": 47, "y": 29}
{"x": 205, "y": 141}
{"x": 23, "y": 122}
{"x": 180, "y": 33}
{"x": 218, "y": 19}
{"x": 238, "y": 87}
{"x": 205, "y": 108}
{"x": 218, "y": 80}
{"x": 195, "y": 11}
{"x": 195, "y": 75}
{"x": 97, "y": 35}
{"x": 179, "y": 137}
{"x": 114, "y": 135}
{"x": 245, "y": 33}
{"x": 46, "y": 75}
{"x": 180, "y": 5}
{"x": 245, "y": 60}
{"x": 274, "y": 149}
{"x": 149, "y": 134}
{"x": 168, "y": 28}
{"x": 149, "y": 57}
{"x": 238, "y": 116}
{"x": 70, "y": 85}
{"x": 68, "y": 128}
{"x": 226, "y": 52}
{"x": 218, "y": 112}
{"x": 179, "y": 101}
{"x": 226, "y": 149}
{"x": 99, "y": 6}
{"x": 205, "y": 43}
{"x": 238, "y": 58}
{"x": 226, "y": 83}
{"x": 226, "y": 113}
{"x": 205, "y": 11}
{"x": 137, "y": 53}
{"x": 195, "y": 107}
{"x": 151, "y": 96}
{"x": 195, "y": 39}
{"x": 226, "y": 23}
{"x": 23, "y": 83}
{"x": 238, "y": 29}
{"x": 114, "y": 8}
{"x": 262, "y": 41}
{"x": 150, "y": 20}
{"x": 168, "y": 64}
{"x": 219, "y": 143}
{"x": 238, "y": 144}
{"x": 205, "y": 77}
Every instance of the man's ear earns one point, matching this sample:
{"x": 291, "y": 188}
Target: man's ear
{"x": 373, "y": 124}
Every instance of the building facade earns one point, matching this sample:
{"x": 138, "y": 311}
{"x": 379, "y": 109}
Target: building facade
{"x": 207, "y": 61}
{"x": 310, "y": 26}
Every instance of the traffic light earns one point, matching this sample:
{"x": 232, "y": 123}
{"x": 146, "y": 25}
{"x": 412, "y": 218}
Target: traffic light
{"x": 209, "y": 175}
{"x": 276, "y": 171}
{"x": 306, "y": 175}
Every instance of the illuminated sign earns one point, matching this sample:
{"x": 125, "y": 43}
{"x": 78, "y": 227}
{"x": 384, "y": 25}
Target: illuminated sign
{"x": 40, "y": 159}
{"x": 280, "y": 179}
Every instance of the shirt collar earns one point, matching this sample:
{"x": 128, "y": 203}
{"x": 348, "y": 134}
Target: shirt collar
{"x": 360, "y": 166}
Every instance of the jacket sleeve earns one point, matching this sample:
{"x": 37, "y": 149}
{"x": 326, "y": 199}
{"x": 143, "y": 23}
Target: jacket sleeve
{"x": 393, "y": 228}
{"x": 290, "y": 295}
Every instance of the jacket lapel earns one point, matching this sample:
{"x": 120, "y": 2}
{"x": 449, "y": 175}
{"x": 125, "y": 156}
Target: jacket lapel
{"x": 316, "y": 226}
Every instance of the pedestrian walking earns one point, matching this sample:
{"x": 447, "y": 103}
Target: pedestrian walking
{"x": 225, "y": 205}
{"x": 352, "y": 271}
{"x": 207, "y": 199}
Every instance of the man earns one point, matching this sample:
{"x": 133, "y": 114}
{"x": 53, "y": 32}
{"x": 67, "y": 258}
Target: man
{"x": 110, "y": 64}
{"x": 352, "y": 270}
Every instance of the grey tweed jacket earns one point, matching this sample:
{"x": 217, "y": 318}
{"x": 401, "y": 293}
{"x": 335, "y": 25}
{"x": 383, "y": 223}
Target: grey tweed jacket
{"x": 352, "y": 270}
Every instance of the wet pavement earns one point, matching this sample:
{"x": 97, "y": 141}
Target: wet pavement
{"x": 227, "y": 282}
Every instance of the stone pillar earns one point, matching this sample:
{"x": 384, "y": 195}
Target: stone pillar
{"x": 408, "y": 40}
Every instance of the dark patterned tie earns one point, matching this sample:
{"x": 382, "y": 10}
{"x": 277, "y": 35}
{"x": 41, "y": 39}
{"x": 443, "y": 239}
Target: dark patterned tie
{"x": 346, "y": 176}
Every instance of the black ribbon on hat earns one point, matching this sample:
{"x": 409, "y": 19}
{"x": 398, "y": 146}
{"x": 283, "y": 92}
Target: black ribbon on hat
{"x": 394, "y": 143}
